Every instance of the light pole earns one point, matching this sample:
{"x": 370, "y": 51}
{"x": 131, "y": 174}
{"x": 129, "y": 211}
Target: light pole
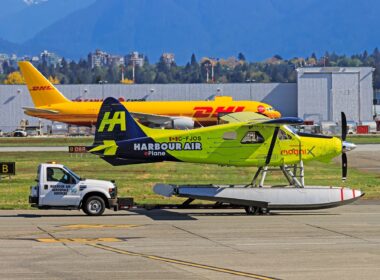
{"x": 122, "y": 68}
{"x": 250, "y": 81}
{"x": 207, "y": 67}
{"x": 102, "y": 82}
{"x": 133, "y": 70}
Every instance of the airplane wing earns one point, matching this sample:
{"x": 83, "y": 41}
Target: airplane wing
{"x": 250, "y": 118}
{"x": 37, "y": 110}
{"x": 244, "y": 117}
{"x": 283, "y": 121}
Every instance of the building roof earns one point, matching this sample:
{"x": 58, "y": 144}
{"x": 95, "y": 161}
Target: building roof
{"x": 313, "y": 70}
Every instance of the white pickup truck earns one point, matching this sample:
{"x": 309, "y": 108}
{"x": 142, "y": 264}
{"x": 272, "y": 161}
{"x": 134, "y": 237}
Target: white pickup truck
{"x": 60, "y": 188}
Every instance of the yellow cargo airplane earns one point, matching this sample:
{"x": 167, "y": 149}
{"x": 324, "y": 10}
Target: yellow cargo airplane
{"x": 53, "y": 105}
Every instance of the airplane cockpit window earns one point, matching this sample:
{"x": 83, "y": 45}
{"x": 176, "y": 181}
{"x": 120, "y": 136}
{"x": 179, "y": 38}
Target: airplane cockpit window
{"x": 252, "y": 137}
{"x": 282, "y": 135}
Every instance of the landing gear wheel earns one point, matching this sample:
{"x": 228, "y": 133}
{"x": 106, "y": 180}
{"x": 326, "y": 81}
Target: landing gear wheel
{"x": 94, "y": 206}
{"x": 252, "y": 210}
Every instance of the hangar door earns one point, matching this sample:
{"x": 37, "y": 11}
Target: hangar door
{"x": 344, "y": 96}
{"x": 313, "y": 96}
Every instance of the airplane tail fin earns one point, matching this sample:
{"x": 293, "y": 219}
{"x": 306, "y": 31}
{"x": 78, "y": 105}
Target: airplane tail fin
{"x": 115, "y": 123}
{"x": 43, "y": 92}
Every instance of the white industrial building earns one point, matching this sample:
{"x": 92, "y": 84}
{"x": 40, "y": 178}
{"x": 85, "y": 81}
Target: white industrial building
{"x": 320, "y": 95}
{"x": 323, "y": 93}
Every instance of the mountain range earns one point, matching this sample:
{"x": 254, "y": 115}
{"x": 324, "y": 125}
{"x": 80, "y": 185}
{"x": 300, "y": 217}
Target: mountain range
{"x": 218, "y": 28}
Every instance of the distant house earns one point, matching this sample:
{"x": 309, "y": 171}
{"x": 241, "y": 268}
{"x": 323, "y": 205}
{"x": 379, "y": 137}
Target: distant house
{"x": 135, "y": 58}
{"x": 168, "y": 58}
{"x": 50, "y": 58}
{"x": 98, "y": 58}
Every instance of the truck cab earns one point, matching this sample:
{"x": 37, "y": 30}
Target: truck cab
{"x": 60, "y": 188}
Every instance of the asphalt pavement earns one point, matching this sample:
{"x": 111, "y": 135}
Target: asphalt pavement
{"x": 339, "y": 243}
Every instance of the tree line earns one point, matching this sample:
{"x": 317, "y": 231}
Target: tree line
{"x": 231, "y": 70}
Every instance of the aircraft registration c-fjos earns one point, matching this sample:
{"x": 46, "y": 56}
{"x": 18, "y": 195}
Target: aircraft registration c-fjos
{"x": 52, "y": 105}
{"x": 246, "y": 139}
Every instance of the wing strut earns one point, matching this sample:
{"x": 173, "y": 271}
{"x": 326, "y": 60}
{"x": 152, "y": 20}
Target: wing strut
{"x": 272, "y": 143}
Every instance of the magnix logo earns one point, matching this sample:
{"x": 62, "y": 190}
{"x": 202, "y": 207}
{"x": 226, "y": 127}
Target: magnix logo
{"x": 118, "y": 118}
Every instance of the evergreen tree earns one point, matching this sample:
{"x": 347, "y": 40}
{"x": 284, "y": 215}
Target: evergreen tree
{"x": 193, "y": 60}
{"x": 241, "y": 56}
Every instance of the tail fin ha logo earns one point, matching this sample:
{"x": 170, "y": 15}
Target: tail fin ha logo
{"x": 118, "y": 118}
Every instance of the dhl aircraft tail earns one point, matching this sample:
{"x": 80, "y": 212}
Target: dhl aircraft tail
{"x": 43, "y": 92}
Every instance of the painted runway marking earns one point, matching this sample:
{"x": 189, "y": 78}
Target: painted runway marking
{"x": 97, "y": 226}
{"x": 79, "y": 240}
{"x": 185, "y": 263}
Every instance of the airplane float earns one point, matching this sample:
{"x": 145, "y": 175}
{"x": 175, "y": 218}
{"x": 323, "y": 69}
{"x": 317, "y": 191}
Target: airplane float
{"x": 245, "y": 139}
{"x": 51, "y": 104}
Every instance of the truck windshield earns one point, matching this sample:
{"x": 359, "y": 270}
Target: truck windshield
{"x": 72, "y": 173}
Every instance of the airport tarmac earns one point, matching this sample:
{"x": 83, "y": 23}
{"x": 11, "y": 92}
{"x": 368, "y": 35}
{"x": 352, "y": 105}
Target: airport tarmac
{"x": 366, "y": 158}
{"x": 339, "y": 243}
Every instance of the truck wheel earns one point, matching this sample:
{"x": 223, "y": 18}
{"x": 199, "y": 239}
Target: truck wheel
{"x": 94, "y": 206}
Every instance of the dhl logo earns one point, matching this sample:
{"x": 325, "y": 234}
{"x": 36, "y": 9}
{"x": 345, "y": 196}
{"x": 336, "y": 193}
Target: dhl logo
{"x": 207, "y": 112}
{"x": 37, "y": 88}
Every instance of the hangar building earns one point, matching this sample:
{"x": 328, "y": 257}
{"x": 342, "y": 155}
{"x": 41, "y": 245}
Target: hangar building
{"x": 320, "y": 94}
{"x": 325, "y": 92}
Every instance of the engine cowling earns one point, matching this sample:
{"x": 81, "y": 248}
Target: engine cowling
{"x": 183, "y": 123}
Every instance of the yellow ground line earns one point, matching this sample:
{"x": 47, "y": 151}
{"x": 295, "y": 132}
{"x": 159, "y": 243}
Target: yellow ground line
{"x": 96, "y": 226}
{"x": 186, "y": 263}
{"x": 78, "y": 240}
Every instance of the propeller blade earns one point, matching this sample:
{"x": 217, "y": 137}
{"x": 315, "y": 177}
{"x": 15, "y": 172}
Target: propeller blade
{"x": 344, "y": 166}
{"x": 344, "y": 126}
{"x": 271, "y": 147}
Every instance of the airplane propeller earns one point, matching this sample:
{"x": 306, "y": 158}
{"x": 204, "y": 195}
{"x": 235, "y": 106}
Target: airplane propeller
{"x": 344, "y": 126}
{"x": 346, "y": 146}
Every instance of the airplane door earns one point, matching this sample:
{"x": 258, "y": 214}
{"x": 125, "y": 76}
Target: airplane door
{"x": 59, "y": 189}
{"x": 286, "y": 146}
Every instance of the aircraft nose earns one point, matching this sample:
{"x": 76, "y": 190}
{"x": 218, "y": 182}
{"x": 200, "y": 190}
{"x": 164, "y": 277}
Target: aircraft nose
{"x": 275, "y": 115}
{"x": 347, "y": 146}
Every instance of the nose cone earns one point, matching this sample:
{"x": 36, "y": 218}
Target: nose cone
{"x": 276, "y": 115}
{"x": 347, "y": 146}
{"x": 273, "y": 114}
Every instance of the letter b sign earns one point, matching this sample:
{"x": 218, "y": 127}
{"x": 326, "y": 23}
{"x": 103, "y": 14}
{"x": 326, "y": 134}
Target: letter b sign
{"x": 7, "y": 168}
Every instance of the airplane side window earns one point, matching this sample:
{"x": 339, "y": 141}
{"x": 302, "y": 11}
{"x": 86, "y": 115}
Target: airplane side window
{"x": 252, "y": 137}
{"x": 230, "y": 135}
{"x": 283, "y": 135}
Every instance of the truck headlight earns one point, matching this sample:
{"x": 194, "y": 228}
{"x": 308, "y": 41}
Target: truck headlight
{"x": 113, "y": 192}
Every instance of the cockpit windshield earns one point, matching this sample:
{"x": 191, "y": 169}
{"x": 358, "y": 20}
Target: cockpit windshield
{"x": 291, "y": 129}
